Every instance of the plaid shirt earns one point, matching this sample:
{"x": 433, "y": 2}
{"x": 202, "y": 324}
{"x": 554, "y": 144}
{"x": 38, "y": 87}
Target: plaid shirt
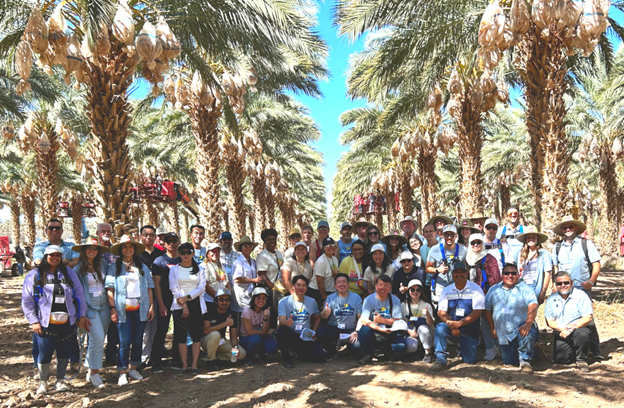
{"x": 227, "y": 260}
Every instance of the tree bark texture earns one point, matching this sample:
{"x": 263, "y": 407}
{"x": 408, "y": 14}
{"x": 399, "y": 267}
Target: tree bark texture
{"x": 15, "y": 223}
{"x": 235, "y": 176}
{"x": 608, "y": 238}
{"x": 76, "y": 213}
{"x": 47, "y": 169}
{"x": 505, "y": 198}
{"x": 426, "y": 162}
{"x": 28, "y": 208}
{"x": 391, "y": 211}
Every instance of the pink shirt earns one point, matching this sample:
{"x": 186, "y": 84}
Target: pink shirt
{"x": 256, "y": 320}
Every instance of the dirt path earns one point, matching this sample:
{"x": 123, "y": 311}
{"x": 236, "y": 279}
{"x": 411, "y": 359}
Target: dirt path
{"x": 340, "y": 383}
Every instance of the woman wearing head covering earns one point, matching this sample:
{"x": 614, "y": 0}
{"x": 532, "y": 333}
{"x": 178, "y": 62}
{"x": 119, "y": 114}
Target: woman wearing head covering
{"x": 325, "y": 268}
{"x": 129, "y": 284}
{"x": 187, "y": 281}
{"x": 91, "y": 270}
{"x": 380, "y": 265}
{"x": 53, "y": 302}
{"x": 298, "y": 264}
{"x": 534, "y": 262}
{"x": 255, "y": 335}
{"x": 352, "y": 266}
{"x": 483, "y": 267}
{"x": 394, "y": 242}
{"x": 418, "y": 313}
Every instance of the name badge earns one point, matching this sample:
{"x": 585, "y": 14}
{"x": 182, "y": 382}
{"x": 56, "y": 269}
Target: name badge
{"x": 298, "y": 327}
{"x": 460, "y": 312}
{"x": 97, "y": 294}
{"x": 506, "y": 310}
{"x": 413, "y": 318}
{"x": 341, "y": 326}
{"x": 221, "y": 342}
{"x": 529, "y": 281}
{"x": 59, "y": 299}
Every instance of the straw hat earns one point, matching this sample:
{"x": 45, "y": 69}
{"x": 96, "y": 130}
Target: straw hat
{"x": 406, "y": 219}
{"x": 394, "y": 234}
{"x": 477, "y": 216}
{"x": 116, "y": 249}
{"x": 244, "y": 240}
{"x": 466, "y": 223}
{"x": 541, "y": 237}
{"x": 90, "y": 242}
{"x": 443, "y": 216}
{"x": 362, "y": 222}
{"x": 568, "y": 219}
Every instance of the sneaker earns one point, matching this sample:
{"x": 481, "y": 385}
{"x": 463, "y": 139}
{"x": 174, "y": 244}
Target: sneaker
{"x": 331, "y": 355}
{"x": 193, "y": 371}
{"x": 177, "y": 366}
{"x": 157, "y": 369}
{"x": 287, "y": 362}
{"x": 249, "y": 362}
{"x": 365, "y": 359}
{"x": 599, "y": 357}
{"x": 134, "y": 374}
{"x": 490, "y": 354}
{"x": 42, "y": 388}
{"x": 212, "y": 365}
{"x": 60, "y": 386}
{"x": 428, "y": 358}
{"x": 582, "y": 365}
{"x": 123, "y": 380}
{"x": 526, "y": 368}
{"x": 437, "y": 367}
{"x": 96, "y": 380}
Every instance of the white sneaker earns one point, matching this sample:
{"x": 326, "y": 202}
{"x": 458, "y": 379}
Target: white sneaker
{"x": 491, "y": 353}
{"x": 134, "y": 374}
{"x": 42, "y": 388}
{"x": 61, "y": 386}
{"x": 123, "y": 380}
{"x": 96, "y": 381}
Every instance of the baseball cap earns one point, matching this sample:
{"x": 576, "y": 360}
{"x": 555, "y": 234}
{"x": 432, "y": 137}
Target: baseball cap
{"x": 186, "y": 245}
{"x": 259, "y": 291}
{"x": 459, "y": 266}
{"x": 328, "y": 241}
{"x": 490, "y": 221}
{"x": 161, "y": 231}
{"x": 222, "y": 292}
{"x": 303, "y": 244}
{"x": 226, "y": 235}
{"x": 475, "y": 237}
{"x": 322, "y": 224}
{"x": 414, "y": 282}
{"x": 406, "y": 255}
{"x": 53, "y": 249}
{"x": 345, "y": 224}
{"x": 449, "y": 228}
{"x": 377, "y": 247}
{"x": 212, "y": 246}
{"x": 171, "y": 235}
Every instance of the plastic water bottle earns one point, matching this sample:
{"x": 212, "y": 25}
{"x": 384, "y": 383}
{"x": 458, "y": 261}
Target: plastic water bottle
{"x": 234, "y": 353}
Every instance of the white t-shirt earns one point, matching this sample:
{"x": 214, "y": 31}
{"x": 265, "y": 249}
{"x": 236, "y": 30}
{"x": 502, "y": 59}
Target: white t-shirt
{"x": 95, "y": 285}
{"x": 271, "y": 263}
{"x": 297, "y": 269}
{"x": 186, "y": 280}
{"x": 133, "y": 290}
{"x": 369, "y": 276}
{"x": 326, "y": 268}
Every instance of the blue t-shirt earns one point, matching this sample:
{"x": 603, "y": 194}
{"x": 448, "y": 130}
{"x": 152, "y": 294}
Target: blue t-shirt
{"x": 344, "y": 310}
{"x": 372, "y": 306}
{"x": 301, "y": 312}
{"x": 345, "y": 249}
{"x": 510, "y": 308}
{"x": 66, "y": 246}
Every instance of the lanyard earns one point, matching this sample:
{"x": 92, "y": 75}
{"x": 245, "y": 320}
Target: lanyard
{"x": 295, "y": 304}
{"x": 444, "y": 252}
{"x": 357, "y": 268}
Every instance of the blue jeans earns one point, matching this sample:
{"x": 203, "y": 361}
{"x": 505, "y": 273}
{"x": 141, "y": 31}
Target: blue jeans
{"x": 486, "y": 332}
{"x": 520, "y": 349}
{"x": 467, "y": 344}
{"x": 328, "y": 337}
{"x": 74, "y": 350}
{"x": 369, "y": 342}
{"x": 130, "y": 334}
{"x": 257, "y": 344}
{"x": 97, "y": 332}
{"x": 48, "y": 343}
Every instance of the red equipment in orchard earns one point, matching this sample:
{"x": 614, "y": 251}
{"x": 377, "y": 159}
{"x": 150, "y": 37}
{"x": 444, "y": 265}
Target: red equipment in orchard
{"x": 369, "y": 203}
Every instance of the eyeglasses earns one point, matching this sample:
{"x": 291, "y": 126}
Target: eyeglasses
{"x": 476, "y": 243}
{"x": 55, "y": 228}
{"x": 373, "y": 233}
{"x": 491, "y": 228}
{"x": 565, "y": 283}
{"x": 149, "y": 235}
{"x": 226, "y": 300}
{"x": 417, "y": 290}
{"x": 186, "y": 252}
{"x": 567, "y": 227}
{"x": 330, "y": 246}
{"x": 406, "y": 260}
{"x": 295, "y": 236}
{"x": 510, "y": 273}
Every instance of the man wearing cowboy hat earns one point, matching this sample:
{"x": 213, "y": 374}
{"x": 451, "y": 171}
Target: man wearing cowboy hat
{"x": 293, "y": 237}
{"x": 361, "y": 227}
{"x": 408, "y": 226}
{"x": 510, "y": 232}
{"x": 345, "y": 241}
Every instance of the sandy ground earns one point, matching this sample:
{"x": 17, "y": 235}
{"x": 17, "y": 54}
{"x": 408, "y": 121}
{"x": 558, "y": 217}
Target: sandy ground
{"x": 338, "y": 383}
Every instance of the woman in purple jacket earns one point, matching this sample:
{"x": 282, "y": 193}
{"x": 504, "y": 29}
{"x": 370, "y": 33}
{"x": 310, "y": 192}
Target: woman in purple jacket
{"x": 54, "y": 303}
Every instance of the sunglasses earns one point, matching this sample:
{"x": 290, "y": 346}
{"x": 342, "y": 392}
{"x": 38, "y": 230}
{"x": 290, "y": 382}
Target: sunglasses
{"x": 406, "y": 261}
{"x": 171, "y": 242}
{"x": 373, "y": 233}
{"x": 417, "y": 290}
{"x": 567, "y": 227}
{"x": 330, "y": 246}
{"x": 492, "y": 228}
{"x": 449, "y": 235}
{"x": 92, "y": 248}
{"x": 186, "y": 252}
{"x": 55, "y": 228}
{"x": 295, "y": 236}
{"x": 510, "y": 273}
{"x": 476, "y": 243}
{"x": 566, "y": 283}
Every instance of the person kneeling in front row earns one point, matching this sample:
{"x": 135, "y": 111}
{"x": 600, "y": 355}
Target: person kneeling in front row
{"x": 255, "y": 335}
{"x": 299, "y": 314}
{"x": 569, "y": 313}
{"x": 343, "y": 309}
{"x": 510, "y": 309}
{"x": 216, "y": 320}
{"x": 460, "y": 307}
{"x": 380, "y": 313}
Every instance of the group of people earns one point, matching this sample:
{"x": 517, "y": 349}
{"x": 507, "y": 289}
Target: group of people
{"x": 403, "y": 296}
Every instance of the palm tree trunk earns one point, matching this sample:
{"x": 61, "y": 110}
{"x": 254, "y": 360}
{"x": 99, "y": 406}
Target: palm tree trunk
{"x": 47, "y": 169}
{"x": 184, "y": 226}
{"x": 505, "y": 198}
{"x": 406, "y": 191}
{"x": 15, "y": 223}
{"x": 108, "y": 111}
{"x": 379, "y": 222}
{"x": 150, "y": 209}
{"x": 235, "y": 176}
{"x": 173, "y": 217}
{"x": 609, "y": 230}
{"x": 259, "y": 195}
{"x": 270, "y": 208}
{"x": 391, "y": 209}
{"x": 28, "y": 207}
{"x": 542, "y": 68}
{"x": 427, "y": 158}
{"x": 76, "y": 212}
{"x": 252, "y": 225}
{"x": 470, "y": 141}
{"x": 206, "y": 132}
{"x": 285, "y": 223}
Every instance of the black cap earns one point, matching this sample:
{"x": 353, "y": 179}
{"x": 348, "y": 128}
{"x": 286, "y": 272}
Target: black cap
{"x": 459, "y": 266}
{"x": 171, "y": 235}
{"x": 226, "y": 235}
{"x": 186, "y": 245}
{"x": 328, "y": 241}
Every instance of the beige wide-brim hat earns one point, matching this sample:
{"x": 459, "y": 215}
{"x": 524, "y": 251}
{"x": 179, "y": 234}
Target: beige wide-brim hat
{"x": 409, "y": 218}
{"x": 244, "y": 240}
{"x": 531, "y": 229}
{"x": 91, "y": 242}
{"x": 116, "y": 249}
{"x": 477, "y": 216}
{"x": 568, "y": 219}
{"x": 362, "y": 222}
{"x": 466, "y": 223}
{"x": 443, "y": 216}
{"x": 394, "y": 234}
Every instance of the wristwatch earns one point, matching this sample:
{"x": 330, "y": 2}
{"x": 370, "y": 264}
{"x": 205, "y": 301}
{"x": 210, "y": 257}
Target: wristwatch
{"x": 189, "y": 297}
{"x": 591, "y": 283}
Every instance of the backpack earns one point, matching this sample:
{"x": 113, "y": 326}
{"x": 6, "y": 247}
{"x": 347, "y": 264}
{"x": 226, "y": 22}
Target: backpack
{"x": 38, "y": 292}
{"x": 585, "y": 251}
{"x": 490, "y": 274}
